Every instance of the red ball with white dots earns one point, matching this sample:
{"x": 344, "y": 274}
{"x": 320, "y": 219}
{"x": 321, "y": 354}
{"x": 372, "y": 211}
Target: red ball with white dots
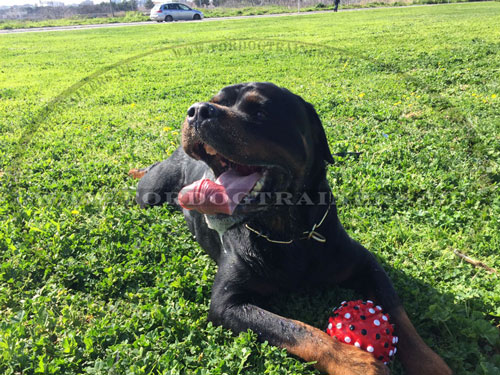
{"x": 366, "y": 326}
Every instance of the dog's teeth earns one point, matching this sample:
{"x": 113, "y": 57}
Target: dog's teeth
{"x": 210, "y": 150}
{"x": 258, "y": 186}
{"x": 254, "y": 194}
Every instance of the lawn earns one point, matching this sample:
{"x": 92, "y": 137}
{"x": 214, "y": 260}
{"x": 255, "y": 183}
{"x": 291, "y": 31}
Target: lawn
{"x": 91, "y": 284}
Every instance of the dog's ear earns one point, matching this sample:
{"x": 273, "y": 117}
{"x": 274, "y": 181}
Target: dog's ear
{"x": 320, "y": 141}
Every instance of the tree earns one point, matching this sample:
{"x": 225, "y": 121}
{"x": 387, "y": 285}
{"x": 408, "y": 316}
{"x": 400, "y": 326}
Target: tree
{"x": 149, "y": 4}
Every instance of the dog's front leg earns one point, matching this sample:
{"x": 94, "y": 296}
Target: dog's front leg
{"x": 416, "y": 357}
{"x": 230, "y": 307}
{"x": 372, "y": 281}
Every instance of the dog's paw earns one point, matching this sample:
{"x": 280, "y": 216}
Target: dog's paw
{"x": 349, "y": 360}
{"x": 423, "y": 361}
{"x": 432, "y": 365}
{"x": 364, "y": 363}
{"x": 431, "y": 370}
{"x": 137, "y": 173}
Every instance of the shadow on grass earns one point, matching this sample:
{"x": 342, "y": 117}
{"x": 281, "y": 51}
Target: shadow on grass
{"x": 462, "y": 336}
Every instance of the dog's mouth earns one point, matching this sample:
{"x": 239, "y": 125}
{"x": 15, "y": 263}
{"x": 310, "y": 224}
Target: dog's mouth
{"x": 221, "y": 164}
{"x": 234, "y": 183}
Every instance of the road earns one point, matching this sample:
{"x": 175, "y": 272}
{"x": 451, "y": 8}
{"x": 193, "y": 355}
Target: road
{"x": 124, "y": 24}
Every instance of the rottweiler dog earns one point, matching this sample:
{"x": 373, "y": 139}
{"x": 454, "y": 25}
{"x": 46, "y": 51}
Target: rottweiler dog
{"x": 250, "y": 177}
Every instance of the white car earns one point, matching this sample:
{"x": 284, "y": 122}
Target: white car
{"x": 173, "y": 12}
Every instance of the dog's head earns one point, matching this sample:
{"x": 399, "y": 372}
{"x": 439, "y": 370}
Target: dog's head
{"x": 260, "y": 130}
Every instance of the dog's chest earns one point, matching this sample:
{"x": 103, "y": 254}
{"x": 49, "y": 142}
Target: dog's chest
{"x": 221, "y": 224}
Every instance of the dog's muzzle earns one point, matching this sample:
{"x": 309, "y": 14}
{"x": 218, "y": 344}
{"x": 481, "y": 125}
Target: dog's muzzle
{"x": 199, "y": 112}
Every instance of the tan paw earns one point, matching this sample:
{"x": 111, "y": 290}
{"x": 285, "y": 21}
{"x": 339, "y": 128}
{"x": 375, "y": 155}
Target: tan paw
{"x": 136, "y": 173}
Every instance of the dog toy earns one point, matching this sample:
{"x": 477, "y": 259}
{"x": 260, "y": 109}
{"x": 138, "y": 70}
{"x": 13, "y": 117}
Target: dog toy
{"x": 364, "y": 325}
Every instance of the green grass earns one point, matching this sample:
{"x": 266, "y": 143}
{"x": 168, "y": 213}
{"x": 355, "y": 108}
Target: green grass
{"x": 90, "y": 284}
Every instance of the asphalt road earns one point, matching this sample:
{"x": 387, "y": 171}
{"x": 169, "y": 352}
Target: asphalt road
{"x": 98, "y": 26}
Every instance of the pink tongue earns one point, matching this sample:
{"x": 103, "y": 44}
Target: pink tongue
{"x": 219, "y": 197}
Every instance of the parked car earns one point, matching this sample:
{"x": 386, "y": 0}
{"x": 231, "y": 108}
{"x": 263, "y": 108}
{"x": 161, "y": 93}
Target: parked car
{"x": 173, "y": 12}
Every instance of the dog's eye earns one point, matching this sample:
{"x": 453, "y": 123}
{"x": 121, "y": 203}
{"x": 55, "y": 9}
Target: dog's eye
{"x": 260, "y": 115}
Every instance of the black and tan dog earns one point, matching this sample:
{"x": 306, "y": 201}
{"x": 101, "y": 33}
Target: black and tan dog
{"x": 263, "y": 143}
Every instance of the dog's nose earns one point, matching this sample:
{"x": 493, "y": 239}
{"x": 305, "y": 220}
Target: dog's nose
{"x": 201, "y": 111}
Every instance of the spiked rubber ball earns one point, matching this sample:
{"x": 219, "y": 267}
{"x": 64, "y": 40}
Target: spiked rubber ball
{"x": 366, "y": 326}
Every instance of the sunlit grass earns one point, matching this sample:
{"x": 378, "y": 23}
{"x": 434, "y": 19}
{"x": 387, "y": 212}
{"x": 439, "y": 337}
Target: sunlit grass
{"x": 91, "y": 284}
